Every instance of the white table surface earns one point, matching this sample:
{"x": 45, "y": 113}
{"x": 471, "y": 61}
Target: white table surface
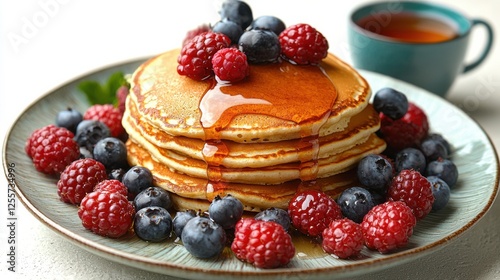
{"x": 48, "y": 42}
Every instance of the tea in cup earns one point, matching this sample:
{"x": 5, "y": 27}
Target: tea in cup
{"x": 418, "y": 42}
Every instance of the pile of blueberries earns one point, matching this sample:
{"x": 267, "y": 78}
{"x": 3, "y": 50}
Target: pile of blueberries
{"x": 257, "y": 38}
{"x": 95, "y": 140}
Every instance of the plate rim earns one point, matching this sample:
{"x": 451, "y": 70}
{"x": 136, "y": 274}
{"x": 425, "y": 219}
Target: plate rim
{"x": 157, "y": 266}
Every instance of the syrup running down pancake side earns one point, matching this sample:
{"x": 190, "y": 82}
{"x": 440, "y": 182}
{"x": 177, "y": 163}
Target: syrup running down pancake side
{"x": 277, "y": 90}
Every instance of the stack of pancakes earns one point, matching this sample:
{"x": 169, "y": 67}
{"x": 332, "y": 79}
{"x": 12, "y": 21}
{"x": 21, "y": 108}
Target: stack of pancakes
{"x": 284, "y": 128}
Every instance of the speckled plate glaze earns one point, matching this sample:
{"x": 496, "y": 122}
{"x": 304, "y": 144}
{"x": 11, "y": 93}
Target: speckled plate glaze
{"x": 474, "y": 155}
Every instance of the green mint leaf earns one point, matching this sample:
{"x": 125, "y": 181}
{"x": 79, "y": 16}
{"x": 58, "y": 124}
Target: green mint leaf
{"x": 93, "y": 91}
{"x": 105, "y": 93}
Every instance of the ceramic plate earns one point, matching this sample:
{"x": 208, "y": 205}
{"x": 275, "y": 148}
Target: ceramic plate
{"x": 473, "y": 154}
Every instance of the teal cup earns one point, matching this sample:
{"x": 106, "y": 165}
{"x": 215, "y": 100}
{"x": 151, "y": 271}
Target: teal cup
{"x": 430, "y": 65}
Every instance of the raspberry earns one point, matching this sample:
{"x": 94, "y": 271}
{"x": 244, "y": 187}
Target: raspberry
{"x": 388, "y": 226}
{"x": 79, "y": 178}
{"x": 195, "y": 32}
{"x": 264, "y": 244}
{"x": 195, "y": 59}
{"x": 410, "y": 187}
{"x": 106, "y": 213}
{"x": 311, "y": 211}
{"x": 406, "y": 132}
{"x": 52, "y": 148}
{"x": 303, "y": 44}
{"x": 230, "y": 64}
{"x": 111, "y": 186}
{"x": 343, "y": 238}
{"x": 121, "y": 95}
{"x": 108, "y": 114}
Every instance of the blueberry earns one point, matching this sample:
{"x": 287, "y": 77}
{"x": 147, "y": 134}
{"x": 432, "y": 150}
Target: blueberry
{"x": 152, "y": 196}
{"x": 260, "y": 46}
{"x": 180, "y": 220}
{"x": 237, "y": 11}
{"x": 438, "y": 137}
{"x": 410, "y": 158}
{"x": 433, "y": 149}
{"x": 444, "y": 169}
{"x": 277, "y": 215}
{"x": 89, "y": 132}
{"x": 203, "y": 238}
{"x": 111, "y": 152}
{"x": 137, "y": 179}
{"x": 441, "y": 192}
{"x": 374, "y": 172}
{"x": 153, "y": 224}
{"x": 391, "y": 102}
{"x": 272, "y": 23}
{"x": 228, "y": 28}
{"x": 226, "y": 211}
{"x": 69, "y": 119}
{"x": 355, "y": 202}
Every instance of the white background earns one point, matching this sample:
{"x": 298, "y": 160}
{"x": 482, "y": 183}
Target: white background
{"x": 45, "y": 43}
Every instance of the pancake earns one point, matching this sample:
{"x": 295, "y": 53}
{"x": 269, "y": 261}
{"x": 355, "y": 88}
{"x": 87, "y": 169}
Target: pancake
{"x": 272, "y": 174}
{"x": 187, "y": 190}
{"x": 253, "y": 155}
{"x": 283, "y": 128}
{"x": 171, "y": 102}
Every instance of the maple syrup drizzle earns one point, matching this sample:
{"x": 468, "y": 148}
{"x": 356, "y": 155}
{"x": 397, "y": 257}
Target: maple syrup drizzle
{"x": 275, "y": 90}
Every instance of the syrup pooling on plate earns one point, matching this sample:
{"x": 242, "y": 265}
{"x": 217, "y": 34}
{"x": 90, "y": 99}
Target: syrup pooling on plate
{"x": 276, "y": 90}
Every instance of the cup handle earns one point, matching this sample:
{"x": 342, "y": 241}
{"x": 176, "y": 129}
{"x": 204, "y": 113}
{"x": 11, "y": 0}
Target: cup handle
{"x": 486, "y": 49}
